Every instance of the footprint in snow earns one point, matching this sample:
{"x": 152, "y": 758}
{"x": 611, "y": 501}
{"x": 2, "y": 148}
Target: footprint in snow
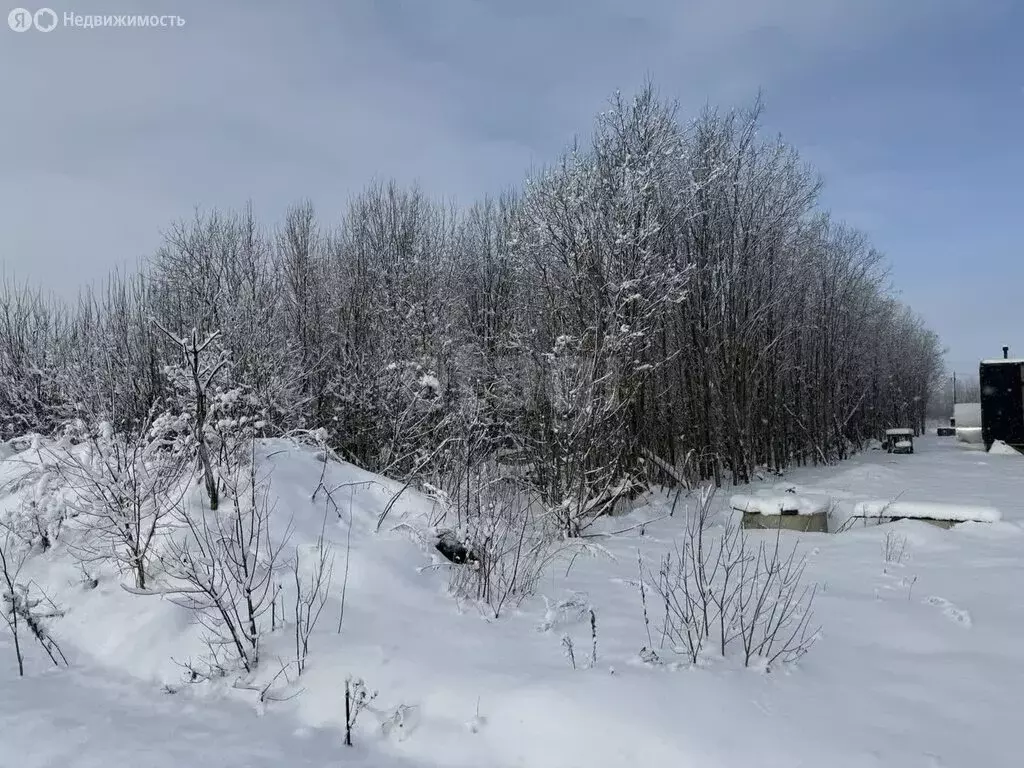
{"x": 951, "y": 612}
{"x": 961, "y": 617}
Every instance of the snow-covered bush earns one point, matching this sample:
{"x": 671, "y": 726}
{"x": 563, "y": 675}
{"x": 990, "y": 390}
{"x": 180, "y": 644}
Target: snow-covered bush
{"x": 509, "y": 535}
{"x": 39, "y": 518}
{"x": 21, "y": 607}
{"x": 413, "y": 420}
{"x": 123, "y": 489}
{"x": 357, "y": 698}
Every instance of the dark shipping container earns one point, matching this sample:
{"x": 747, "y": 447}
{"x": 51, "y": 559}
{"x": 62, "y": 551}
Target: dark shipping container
{"x": 1002, "y": 401}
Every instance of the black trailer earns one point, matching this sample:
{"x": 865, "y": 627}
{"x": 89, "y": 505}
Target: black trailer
{"x": 1002, "y": 401}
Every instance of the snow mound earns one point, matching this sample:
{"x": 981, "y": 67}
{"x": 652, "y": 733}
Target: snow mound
{"x": 786, "y": 503}
{"x": 969, "y": 435}
{"x": 928, "y": 510}
{"x": 1000, "y": 448}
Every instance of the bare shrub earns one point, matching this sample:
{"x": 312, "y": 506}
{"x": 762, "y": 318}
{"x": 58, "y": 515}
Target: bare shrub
{"x": 697, "y": 583}
{"x": 721, "y": 590}
{"x": 270, "y": 690}
{"x": 506, "y": 531}
{"x": 569, "y": 650}
{"x": 11, "y": 566}
{"x": 772, "y": 607}
{"x": 401, "y": 721}
{"x": 125, "y": 488}
{"x": 894, "y": 548}
{"x": 20, "y": 609}
{"x": 312, "y": 591}
{"x": 225, "y": 570}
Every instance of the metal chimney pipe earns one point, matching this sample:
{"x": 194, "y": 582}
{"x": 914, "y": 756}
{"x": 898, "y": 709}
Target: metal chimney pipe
{"x": 1006, "y": 352}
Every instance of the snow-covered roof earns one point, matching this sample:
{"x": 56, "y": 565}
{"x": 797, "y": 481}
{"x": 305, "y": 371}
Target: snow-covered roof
{"x": 899, "y": 431}
{"x": 788, "y": 503}
{"x": 927, "y": 509}
{"x": 1002, "y": 360}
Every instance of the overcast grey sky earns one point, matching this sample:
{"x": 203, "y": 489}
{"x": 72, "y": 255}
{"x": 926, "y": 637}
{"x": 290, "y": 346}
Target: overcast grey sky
{"x": 912, "y": 109}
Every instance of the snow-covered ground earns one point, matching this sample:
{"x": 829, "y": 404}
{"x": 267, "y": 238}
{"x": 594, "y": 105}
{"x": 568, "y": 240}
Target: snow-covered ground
{"x": 919, "y": 661}
{"x": 90, "y": 716}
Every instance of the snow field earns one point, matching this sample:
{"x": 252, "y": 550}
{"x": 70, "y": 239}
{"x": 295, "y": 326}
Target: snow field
{"x": 918, "y": 662}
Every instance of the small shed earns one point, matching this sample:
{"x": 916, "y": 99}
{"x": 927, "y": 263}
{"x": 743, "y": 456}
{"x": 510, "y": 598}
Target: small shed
{"x": 786, "y": 511}
{"x": 1002, "y": 400}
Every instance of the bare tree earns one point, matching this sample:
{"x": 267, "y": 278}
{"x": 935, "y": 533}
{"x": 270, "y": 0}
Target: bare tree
{"x": 201, "y": 370}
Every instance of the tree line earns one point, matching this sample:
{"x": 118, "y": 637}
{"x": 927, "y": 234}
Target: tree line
{"x": 666, "y": 303}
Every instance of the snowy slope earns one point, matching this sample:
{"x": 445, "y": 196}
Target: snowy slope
{"x": 918, "y": 664}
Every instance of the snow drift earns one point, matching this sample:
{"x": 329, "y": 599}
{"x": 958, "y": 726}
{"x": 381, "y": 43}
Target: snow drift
{"x": 928, "y": 510}
{"x": 970, "y": 435}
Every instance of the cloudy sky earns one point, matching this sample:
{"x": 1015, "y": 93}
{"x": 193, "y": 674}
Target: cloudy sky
{"x": 912, "y": 109}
